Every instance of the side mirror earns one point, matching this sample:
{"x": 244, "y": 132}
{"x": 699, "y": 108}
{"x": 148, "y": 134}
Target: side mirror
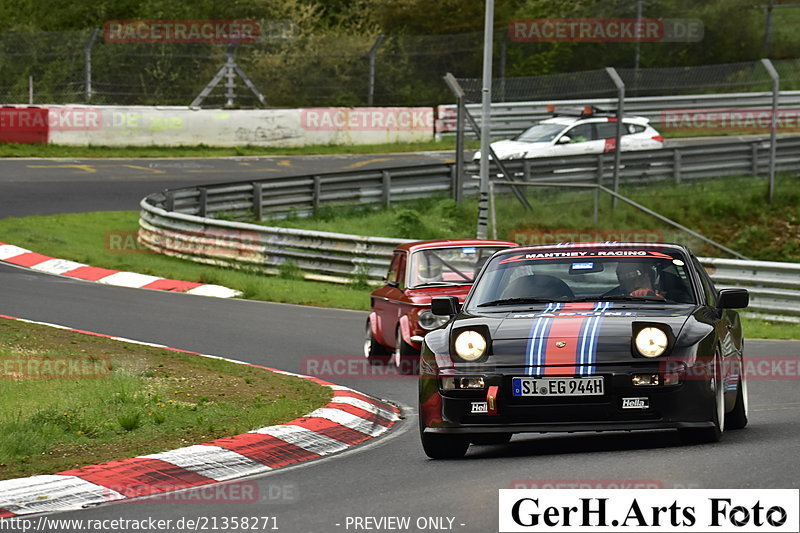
{"x": 733, "y": 299}
{"x": 564, "y": 139}
{"x": 444, "y": 305}
{"x": 393, "y": 284}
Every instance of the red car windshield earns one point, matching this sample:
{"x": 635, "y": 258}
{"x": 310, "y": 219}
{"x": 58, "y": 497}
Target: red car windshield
{"x": 448, "y": 266}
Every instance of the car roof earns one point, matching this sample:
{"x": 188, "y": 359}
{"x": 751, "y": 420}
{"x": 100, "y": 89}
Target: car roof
{"x": 450, "y": 243}
{"x": 569, "y": 121}
{"x": 584, "y": 246}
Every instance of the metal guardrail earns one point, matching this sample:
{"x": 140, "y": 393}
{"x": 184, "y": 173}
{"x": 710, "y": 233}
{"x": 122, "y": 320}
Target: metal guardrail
{"x": 510, "y": 118}
{"x": 181, "y": 223}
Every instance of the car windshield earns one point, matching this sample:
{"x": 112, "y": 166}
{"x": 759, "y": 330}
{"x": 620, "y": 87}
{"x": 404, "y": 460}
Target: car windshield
{"x": 448, "y": 266}
{"x": 535, "y": 278}
{"x": 540, "y": 133}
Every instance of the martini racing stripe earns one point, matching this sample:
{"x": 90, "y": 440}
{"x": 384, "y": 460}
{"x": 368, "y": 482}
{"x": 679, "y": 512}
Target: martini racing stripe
{"x": 579, "y": 332}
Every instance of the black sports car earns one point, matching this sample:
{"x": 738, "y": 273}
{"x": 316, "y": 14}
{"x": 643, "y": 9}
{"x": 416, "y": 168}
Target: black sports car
{"x": 584, "y": 337}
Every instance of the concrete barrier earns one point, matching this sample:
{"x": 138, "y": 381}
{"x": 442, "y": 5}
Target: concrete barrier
{"x": 181, "y": 126}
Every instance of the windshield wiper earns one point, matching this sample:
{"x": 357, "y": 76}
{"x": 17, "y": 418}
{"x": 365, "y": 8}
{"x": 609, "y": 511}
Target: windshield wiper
{"x": 620, "y": 298}
{"x": 509, "y": 301}
{"x": 441, "y": 283}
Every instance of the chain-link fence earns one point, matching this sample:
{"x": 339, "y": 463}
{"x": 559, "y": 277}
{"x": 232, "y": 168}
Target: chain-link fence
{"x": 81, "y": 67}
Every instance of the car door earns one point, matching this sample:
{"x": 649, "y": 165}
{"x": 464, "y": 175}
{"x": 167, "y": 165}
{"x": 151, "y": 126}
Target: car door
{"x": 582, "y": 140}
{"x": 389, "y": 300}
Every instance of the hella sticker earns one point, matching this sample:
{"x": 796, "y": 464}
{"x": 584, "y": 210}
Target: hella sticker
{"x": 635, "y": 403}
{"x": 480, "y": 407}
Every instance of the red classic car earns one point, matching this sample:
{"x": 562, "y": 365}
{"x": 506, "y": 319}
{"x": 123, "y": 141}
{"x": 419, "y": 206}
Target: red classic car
{"x": 401, "y": 314}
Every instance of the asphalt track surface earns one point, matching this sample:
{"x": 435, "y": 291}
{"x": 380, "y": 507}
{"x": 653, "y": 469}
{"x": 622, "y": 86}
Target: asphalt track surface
{"x": 390, "y": 477}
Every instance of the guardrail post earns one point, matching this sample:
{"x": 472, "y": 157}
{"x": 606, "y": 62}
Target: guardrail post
{"x": 258, "y": 196}
{"x": 600, "y": 170}
{"x": 316, "y": 194}
{"x": 386, "y": 197}
{"x": 526, "y": 170}
{"x": 676, "y": 165}
{"x": 170, "y": 205}
{"x": 203, "y": 202}
{"x": 754, "y": 158}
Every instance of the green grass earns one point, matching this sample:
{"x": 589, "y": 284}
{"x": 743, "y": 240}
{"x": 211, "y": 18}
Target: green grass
{"x": 107, "y": 239}
{"x": 134, "y": 400}
{"x": 58, "y": 151}
{"x": 762, "y": 329}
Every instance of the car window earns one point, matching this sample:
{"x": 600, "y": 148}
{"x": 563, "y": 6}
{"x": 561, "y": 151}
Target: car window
{"x": 608, "y": 130}
{"x": 396, "y": 269}
{"x": 540, "y": 133}
{"x": 657, "y": 276}
{"x": 705, "y": 281}
{"x": 581, "y": 133}
{"x": 633, "y": 128}
{"x": 449, "y": 266}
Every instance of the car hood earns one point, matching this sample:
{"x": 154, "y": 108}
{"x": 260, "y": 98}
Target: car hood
{"x": 505, "y": 149}
{"x": 597, "y": 336}
{"x": 425, "y": 295}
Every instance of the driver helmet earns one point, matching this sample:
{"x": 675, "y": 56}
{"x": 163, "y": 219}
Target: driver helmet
{"x": 630, "y": 274}
{"x": 429, "y": 269}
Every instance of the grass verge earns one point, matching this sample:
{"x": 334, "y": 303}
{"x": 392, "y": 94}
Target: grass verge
{"x": 108, "y": 240}
{"x": 119, "y": 400}
{"x": 51, "y": 150}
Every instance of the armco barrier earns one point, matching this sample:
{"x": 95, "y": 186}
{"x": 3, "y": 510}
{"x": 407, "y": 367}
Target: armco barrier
{"x": 337, "y": 257}
{"x": 178, "y": 222}
{"x": 510, "y": 118}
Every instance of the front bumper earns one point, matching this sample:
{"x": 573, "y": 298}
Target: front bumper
{"x": 685, "y": 405}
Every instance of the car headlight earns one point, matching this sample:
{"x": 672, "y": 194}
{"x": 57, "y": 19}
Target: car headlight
{"x": 470, "y": 345}
{"x": 427, "y": 320}
{"x": 651, "y": 341}
{"x": 516, "y": 155}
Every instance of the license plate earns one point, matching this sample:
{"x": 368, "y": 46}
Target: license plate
{"x": 558, "y": 386}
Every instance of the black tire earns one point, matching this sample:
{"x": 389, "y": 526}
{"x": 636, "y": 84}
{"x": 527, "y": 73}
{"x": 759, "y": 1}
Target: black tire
{"x": 375, "y": 352}
{"x": 737, "y": 419}
{"x": 714, "y": 433}
{"x": 484, "y": 439}
{"x": 444, "y": 446}
{"x": 405, "y": 357}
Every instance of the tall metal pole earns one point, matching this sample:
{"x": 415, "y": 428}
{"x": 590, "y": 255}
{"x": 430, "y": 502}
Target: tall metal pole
{"x": 373, "y": 55}
{"x": 773, "y": 129}
{"x": 486, "y": 122}
{"x": 638, "y": 44}
{"x": 87, "y": 54}
{"x": 612, "y": 73}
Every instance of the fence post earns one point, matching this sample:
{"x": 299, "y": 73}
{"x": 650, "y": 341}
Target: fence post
{"x": 203, "y": 202}
{"x": 620, "y": 85}
{"x": 773, "y": 129}
{"x": 386, "y": 197}
{"x": 316, "y": 194}
{"x": 458, "y": 184}
{"x": 258, "y": 208}
{"x": 170, "y": 204}
{"x": 373, "y": 56}
{"x": 87, "y": 55}
{"x": 676, "y": 165}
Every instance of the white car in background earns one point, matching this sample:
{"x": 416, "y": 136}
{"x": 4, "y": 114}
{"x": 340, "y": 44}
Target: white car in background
{"x": 586, "y": 132}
